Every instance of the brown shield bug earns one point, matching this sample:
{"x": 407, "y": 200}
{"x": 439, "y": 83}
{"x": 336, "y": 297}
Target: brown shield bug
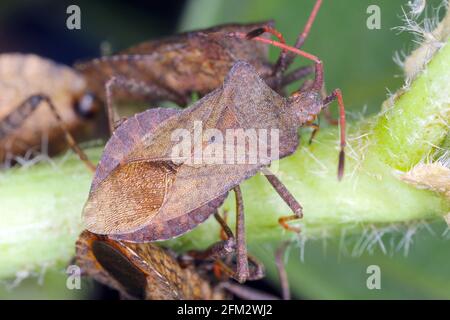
{"x": 142, "y": 192}
{"x": 28, "y": 82}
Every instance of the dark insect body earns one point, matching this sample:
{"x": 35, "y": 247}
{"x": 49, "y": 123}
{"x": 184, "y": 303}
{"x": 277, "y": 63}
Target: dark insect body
{"x": 142, "y": 271}
{"x": 147, "y": 271}
{"x": 142, "y": 193}
{"x": 28, "y": 82}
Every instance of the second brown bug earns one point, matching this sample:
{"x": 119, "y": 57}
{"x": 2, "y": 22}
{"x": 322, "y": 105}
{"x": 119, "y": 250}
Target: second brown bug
{"x": 173, "y": 68}
{"x": 141, "y": 271}
{"x": 147, "y": 271}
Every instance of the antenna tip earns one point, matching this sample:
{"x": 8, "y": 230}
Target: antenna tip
{"x": 341, "y": 164}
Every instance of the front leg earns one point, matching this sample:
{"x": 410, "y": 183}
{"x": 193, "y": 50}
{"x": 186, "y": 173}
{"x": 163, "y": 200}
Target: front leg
{"x": 135, "y": 88}
{"x": 288, "y": 198}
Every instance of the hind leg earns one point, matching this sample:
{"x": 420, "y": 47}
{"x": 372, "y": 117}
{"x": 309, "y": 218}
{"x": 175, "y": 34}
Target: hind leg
{"x": 133, "y": 86}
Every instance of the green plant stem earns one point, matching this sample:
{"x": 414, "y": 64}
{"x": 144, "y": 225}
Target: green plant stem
{"x": 41, "y": 205}
{"x": 418, "y": 121}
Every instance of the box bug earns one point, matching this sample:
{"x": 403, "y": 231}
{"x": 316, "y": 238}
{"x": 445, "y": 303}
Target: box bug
{"x": 142, "y": 193}
{"x": 28, "y": 82}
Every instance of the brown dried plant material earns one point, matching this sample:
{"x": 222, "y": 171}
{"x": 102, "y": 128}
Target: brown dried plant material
{"x": 432, "y": 176}
{"x": 142, "y": 271}
{"x": 22, "y": 128}
{"x": 432, "y": 41}
{"x": 173, "y": 68}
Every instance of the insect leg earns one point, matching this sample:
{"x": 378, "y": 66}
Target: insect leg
{"x": 216, "y": 251}
{"x": 297, "y": 74}
{"x": 130, "y": 66}
{"x": 284, "y": 282}
{"x": 226, "y": 232}
{"x": 115, "y": 82}
{"x": 132, "y": 85}
{"x": 316, "y": 129}
{"x": 220, "y": 249}
{"x": 288, "y": 198}
{"x": 256, "y": 271}
{"x": 26, "y": 108}
{"x": 337, "y": 95}
{"x": 257, "y": 268}
{"x": 15, "y": 119}
{"x": 318, "y": 80}
{"x": 242, "y": 271}
{"x": 224, "y": 248}
{"x": 285, "y": 59}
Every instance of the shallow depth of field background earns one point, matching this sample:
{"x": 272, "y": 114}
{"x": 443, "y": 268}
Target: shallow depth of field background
{"x": 356, "y": 59}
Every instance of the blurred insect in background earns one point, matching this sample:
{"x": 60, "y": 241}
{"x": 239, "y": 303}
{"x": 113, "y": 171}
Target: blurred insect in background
{"x": 176, "y": 67}
{"x": 172, "y": 68}
{"x": 40, "y": 101}
{"x": 148, "y": 271}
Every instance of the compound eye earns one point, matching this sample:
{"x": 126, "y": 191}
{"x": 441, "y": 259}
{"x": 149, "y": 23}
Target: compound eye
{"x": 87, "y": 106}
